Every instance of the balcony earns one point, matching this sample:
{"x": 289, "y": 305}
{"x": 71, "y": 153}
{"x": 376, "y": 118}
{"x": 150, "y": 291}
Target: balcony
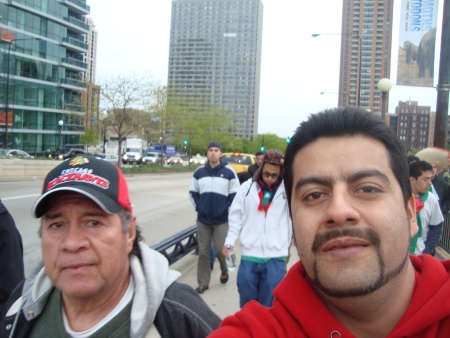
{"x": 75, "y": 45}
{"x": 83, "y": 27}
{"x": 78, "y": 65}
{"x": 77, "y": 6}
{"x": 72, "y": 83}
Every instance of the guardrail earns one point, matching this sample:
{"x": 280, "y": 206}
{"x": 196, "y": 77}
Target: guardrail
{"x": 178, "y": 245}
{"x": 445, "y": 238}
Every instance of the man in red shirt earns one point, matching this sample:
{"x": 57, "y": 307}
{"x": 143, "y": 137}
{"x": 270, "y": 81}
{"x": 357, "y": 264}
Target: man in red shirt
{"x": 353, "y": 215}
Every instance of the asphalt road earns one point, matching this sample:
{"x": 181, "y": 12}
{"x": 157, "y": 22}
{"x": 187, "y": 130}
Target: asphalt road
{"x": 160, "y": 201}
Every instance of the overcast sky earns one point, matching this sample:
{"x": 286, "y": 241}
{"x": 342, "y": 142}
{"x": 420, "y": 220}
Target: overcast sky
{"x": 133, "y": 36}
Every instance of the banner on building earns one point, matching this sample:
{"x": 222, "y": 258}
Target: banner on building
{"x": 417, "y": 43}
{"x": 3, "y": 118}
{"x": 6, "y": 35}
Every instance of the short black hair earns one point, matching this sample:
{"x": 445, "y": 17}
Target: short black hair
{"x": 344, "y": 122}
{"x": 417, "y": 168}
{"x": 411, "y": 158}
{"x": 259, "y": 153}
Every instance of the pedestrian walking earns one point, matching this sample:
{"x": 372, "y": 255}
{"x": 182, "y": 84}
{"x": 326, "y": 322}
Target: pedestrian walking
{"x": 212, "y": 190}
{"x": 259, "y": 218}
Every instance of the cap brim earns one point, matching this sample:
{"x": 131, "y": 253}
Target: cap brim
{"x": 105, "y": 202}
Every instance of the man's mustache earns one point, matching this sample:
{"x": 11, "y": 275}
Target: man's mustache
{"x": 366, "y": 234}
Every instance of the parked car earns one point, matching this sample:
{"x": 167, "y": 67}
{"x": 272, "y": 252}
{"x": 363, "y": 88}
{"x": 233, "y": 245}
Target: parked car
{"x": 239, "y": 161}
{"x": 68, "y": 153}
{"x": 113, "y": 158}
{"x": 198, "y": 159}
{"x": 153, "y": 157}
{"x": 14, "y": 153}
{"x": 175, "y": 160}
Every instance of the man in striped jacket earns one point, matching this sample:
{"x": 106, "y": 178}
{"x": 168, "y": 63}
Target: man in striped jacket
{"x": 212, "y": 190}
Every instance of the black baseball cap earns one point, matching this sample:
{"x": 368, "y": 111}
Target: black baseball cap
{"x": 101, "y": 181}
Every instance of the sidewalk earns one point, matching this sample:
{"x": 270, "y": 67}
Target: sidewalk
{"x": 222, "y": 299}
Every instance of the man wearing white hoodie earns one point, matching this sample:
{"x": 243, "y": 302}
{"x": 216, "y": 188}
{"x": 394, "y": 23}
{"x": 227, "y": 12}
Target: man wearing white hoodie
{"x": 98, "y": 279}
{"x": 259, "y": 217}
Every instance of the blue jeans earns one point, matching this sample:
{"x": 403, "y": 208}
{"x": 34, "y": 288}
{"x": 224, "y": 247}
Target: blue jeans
{"x": 257, "y": 281}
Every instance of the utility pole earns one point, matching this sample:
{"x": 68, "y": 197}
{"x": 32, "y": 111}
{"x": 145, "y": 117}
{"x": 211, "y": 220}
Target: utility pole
{"x": 443, "y": 87}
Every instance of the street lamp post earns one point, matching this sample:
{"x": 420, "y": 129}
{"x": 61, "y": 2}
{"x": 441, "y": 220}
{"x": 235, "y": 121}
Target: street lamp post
{"x": 61, "y": 124}
{"x": 5, "y": 141}
{"x": 358, "y": 100}
{"x": 8, "y": 56}
{"x": 384, "y": 85}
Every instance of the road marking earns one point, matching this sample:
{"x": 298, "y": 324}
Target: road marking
{"x": 17, "y": 197}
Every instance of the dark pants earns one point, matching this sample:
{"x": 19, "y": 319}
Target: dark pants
{"x": 205, "y": 236}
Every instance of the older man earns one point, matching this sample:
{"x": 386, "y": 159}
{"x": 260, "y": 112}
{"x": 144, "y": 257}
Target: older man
{"x": 99, "y": 279}
{"x": 353, "y": 216}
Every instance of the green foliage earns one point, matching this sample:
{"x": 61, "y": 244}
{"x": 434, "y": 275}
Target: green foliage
{"x": 144, "y": 169}
{"x": 198, "y": 121}
{"x": 89, "y": 137}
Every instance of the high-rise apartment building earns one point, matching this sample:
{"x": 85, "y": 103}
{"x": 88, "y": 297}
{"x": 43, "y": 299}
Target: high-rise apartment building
{"x": 91, "y": 56}
{"x": 215, "y": 51}
{"x": 91, "y": 96}
{"x": 365, "y": 51}
{"x": 42, "y": 69}
{"x": 415, "y": 126}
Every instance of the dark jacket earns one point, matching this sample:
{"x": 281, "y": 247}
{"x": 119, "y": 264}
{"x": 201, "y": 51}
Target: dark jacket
{"x": 176, "y": 310}
{"x": 11, "y": 256}
{"x": 245, "y": 175}
{"x": 181, "y": 314}
{"x": 443, "y": 191}
{"x": 212, "y": 191}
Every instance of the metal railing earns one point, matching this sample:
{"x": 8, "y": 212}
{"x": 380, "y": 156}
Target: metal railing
{"x": 445, "y": 238}
{"x": 178, "y": 245}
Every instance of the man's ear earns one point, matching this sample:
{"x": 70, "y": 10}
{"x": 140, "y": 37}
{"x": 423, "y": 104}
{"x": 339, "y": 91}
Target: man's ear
{"x": 131, "y": 234}
{"x": 412, "y": 216}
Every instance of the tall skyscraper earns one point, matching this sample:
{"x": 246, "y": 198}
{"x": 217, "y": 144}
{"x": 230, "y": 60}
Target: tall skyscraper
{"x": 365, "y": 51}
{"x": 41, "y": 69}
{"x": 91, "y": 56}
{"x": 215, "y": 51}
{"x": 92, "y": 95}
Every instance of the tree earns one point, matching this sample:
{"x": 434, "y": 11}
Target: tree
{"x": 198, "y": 121}
{"x": 121, "y": 98}
{"x": 90, "y": 137}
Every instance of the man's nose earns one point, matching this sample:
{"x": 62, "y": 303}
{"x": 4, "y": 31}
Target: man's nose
{"x": 340, "y": 209}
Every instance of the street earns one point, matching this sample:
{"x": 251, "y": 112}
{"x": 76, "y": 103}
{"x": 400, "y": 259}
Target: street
{"x": 160, "y": 201}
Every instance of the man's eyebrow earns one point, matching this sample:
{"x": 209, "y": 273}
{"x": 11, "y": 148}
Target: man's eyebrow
{"x": 367, "y": 173}
{"x": 326, "y": 181}
{"x": 54, "y": 215}
{"x": 350, "y": 178}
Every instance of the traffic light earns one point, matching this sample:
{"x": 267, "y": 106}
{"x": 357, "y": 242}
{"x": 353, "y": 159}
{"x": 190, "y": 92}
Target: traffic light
{"x": 288, "y": 140}
{"x": 185, "y": 142}
{"x": 262, "y": 148}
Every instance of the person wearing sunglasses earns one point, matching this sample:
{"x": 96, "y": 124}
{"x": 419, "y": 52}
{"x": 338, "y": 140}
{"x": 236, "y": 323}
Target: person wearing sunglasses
{"x": 259, "y": 217}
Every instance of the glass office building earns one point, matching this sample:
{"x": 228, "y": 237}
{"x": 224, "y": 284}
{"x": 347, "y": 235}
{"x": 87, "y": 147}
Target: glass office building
{"x": 215, "y": 51}
{"x": 41, "y": 73}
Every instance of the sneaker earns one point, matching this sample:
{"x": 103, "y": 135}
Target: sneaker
{"x": 224, "y": 277}
{"x": 201, "y": 289}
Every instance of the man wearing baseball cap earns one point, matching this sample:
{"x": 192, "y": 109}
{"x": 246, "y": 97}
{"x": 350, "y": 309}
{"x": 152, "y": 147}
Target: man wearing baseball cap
{"x": 259, "y": 218}
{"x": 98, "y": 278}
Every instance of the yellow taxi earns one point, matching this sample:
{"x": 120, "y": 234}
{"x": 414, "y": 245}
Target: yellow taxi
{"x": 239, "y": 161}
